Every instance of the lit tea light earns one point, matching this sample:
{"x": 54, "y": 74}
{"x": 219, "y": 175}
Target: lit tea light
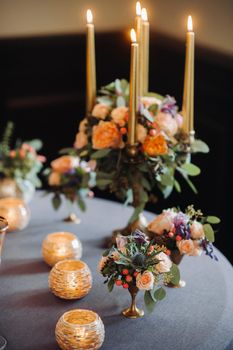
{"x": 70, "y": 279}
{"x": 80, "y": 329}
{"x": 16, "y": 213}
{"x": 59, "y": 246}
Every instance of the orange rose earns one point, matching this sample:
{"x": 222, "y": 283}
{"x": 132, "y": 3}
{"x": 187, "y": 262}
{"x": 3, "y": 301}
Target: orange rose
{"x": 100, "y": 111}
{"x": 155, "y": 145}
{"x": 106, "y": 135}
{"x": 81, "y": 140}
{"x": 120, "y": 113}
{"x": 64, "y": 164}
{"x": 54, "y": 179}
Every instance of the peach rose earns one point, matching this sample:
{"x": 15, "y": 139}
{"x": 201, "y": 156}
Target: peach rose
{"x": 119, "y": 113}
{"x": 189, "y": 247}
{"x": 65, "y": 163}
{"x": 167, "y": 123}
{"x": 155, "y": 145}
{"x": 102, "y": 263}
{"x": 162, "y": 222}
{"x": 106, "y": 135}
{"x": 145, "y": 280}
{"x": 141, "y": 133}
{"x": 92, "y": 164}
{"x": 83, "y": 125}
{"x": 81, "y": 140}
{"x": 100, "y": 111}
{"x": 54, "y": 179}
{"x": 197, "y": 231}
{"x": 164, "y": 264}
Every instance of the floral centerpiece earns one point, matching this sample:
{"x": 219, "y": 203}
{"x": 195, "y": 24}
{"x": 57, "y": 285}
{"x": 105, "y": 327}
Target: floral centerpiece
{"x": 161, "y": 155}
{"x": 19, "y": 166}
{"x": 71, "y": 178}
{"x": 184, "y": 233}
{"x": 137, "y": 264}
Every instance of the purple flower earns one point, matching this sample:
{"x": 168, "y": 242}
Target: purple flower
{"x": 139, "y": 237}
{"x": 183, "y": 231}
{"x": 180, "y": 218}
{"x": 208, "y": 248}
{"x": 169, "y": 106}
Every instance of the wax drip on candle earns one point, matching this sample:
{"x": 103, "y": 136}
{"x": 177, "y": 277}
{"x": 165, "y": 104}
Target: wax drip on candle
{"x": 89, "y": 16}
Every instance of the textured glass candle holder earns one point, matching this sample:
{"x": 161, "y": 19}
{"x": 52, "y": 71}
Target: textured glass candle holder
{"x": 59, "y": 246}
{"x": 16, "y": 213}
{"x": 70, "y": 279}
{"x": 80, "y": 330}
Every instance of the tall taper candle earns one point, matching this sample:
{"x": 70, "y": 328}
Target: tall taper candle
{"x": 138, "y": 26}
{"x": 90, "y": 64}
{"x": 188, "y": 93}
{"x": 133, "y": 94}
{"x": 145, "y": 52}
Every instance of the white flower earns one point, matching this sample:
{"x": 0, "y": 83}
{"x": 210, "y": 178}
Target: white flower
{"x": 164, "y": 264}
{"x": 197, "y": 231}
{"x": 167, "y": 123}
{"x": 121, "y": 242}
{"x": 145, "y": 280}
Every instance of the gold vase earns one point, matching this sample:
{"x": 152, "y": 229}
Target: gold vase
{"x": 133, "y": 311}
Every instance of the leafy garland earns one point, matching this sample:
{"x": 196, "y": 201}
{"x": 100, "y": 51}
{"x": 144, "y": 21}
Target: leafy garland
{"x": 133, "y": 180}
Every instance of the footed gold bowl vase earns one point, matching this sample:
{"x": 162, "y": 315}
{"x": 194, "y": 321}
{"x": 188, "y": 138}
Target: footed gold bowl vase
{"x": 133, "y": 311}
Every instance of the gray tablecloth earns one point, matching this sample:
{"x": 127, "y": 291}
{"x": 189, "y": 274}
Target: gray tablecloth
{"x": 197, "y": 317}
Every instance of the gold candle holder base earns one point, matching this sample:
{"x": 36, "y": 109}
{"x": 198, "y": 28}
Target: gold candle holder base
{"x": 133, "y": 311}
{"x": 72, "y": 218}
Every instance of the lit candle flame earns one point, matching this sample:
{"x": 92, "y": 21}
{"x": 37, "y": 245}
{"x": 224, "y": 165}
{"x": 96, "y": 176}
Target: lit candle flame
{"x": 190, "y": 24}
{"x": 133, "y": 36}
{"x": 89, "y": 16}
{"x": 138, "y": 8}
{"x": 144, "y": 15}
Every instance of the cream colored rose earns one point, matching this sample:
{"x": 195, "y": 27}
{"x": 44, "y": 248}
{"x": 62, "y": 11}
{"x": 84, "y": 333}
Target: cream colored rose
{"x": 167, "y": 123}
{"x": 164, "y": 264}
{"x": 100, "y": 111}
{"x": 141, "y": 133}
{"x": 119, "y": 113}
{"x": 54, "y": 179}
{"x": 189, "y": 247}
{"x": 121, "y": 242}
{"x": 179, "y": 119}
{"x": 102, "y": 263}
{"x": 83, "y": 125}
{"x": 197, "y": 231}
{"x": 145, "y": 280}
{"x": 65, "y": 163}
{"x": 162, "y": 222}
{"x": 148, "y": 101}
{"x": 81, "y": 140}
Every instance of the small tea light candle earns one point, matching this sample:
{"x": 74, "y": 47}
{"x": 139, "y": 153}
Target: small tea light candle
{"x": 80, "y": 329}
{"x": 16, "y": 213}
{"x": 70, "y": 279}
{"x": 59, "y": 246}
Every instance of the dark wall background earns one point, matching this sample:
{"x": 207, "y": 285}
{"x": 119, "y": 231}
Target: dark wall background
{"x": 43, "y": 91}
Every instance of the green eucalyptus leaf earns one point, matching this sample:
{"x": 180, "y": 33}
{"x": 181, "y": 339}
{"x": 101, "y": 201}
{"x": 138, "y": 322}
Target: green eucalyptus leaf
{"x": 103, "y": 182}
{"x": 136, "y": 213}
{"x": 56, "y": 201}
{"x": 175, "y": 272}
{"x": 177, "y": 186}
{"x": 209, "y": 232}
{"x": 199, "y": 146}
{"x": 129, "y": 197}
{"x": 149, "y": 301}
{"x": 146, "y": 184}
{"x": 36, "y": 144}
{"x": 81, "y": 204}
{"x": 147, "y": 115}
{"x": 110, "y": 285}
{"x": 191, "y": 169}
{"x": 100, "y": 153}
{"x": 167, "y": 179}
{"x": 213, "y": 219}
{"x": 120, "y": 101}
{"x": 160, "y": 294}
{"x": 154, "y": 108}
{"x": 154, "y": 94}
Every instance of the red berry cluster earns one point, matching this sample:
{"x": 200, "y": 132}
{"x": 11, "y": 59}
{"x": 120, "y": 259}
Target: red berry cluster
{"x": 125, "y": 278}
{"x": 122, "y": 124}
